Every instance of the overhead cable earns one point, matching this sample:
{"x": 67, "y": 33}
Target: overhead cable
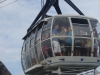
{"x": 8, "y": 4}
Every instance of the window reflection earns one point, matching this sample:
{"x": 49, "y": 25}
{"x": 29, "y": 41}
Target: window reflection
{"x": 45, "y": 34}
{"x": 23, "y": 62}
{"x": 32, "y": 57}
{"x": 27, "y": 46}
{"x": 80, "y": 27}
{"x": 47, "y": 25}
{"x": 82, "y": 47}
{"x": 60, "y": 26}
{"x": 32, "y": 42}
{"x": 96, "y": 45}
{"x": 96, "y": 28}
{"x": 46, "y": 48}
{"x": 38, "y": 35}
{"x": 28, "y": 61}
{"x": 62, "y": 46}
{"x": 39, "y": 52}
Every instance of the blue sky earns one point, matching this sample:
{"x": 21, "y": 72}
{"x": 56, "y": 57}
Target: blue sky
{"x": 18, "y": 16}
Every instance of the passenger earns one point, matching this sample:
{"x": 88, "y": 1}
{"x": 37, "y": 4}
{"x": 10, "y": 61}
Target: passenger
{"x": 57, "y": 49}
{"x": 83, "y": 33}
{"x": 95, "y": 47}
{"x": 88, "y": 46}
{"x": 45, "y": 51}
{"x": 77, "y": 46}
{"x": 95, "y": 42}
{"x": 47, "y": 34}
{"x": 69, "y": 42}
{"x": 63, "y": 31}
{"x": 95, "y": 33}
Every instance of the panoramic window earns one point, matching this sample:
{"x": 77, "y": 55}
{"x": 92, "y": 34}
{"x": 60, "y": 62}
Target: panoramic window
{"x": 47, "y": 25}
{"x": 61, "y": 27}
{"x": 96, "y": 28}
{"x": 96, "y": 33}
{"x": 38, "y": 35}
{"x": 39, "y": 52}
{"x": 45, "y": 34}
{"x": 27, "y": 46}
{"x": 32, "y": 56}
{"x": 28, "y": 61}
{"x": 24, "y": 62}
{"x": 82, "y": 47}
{"x": 46, "y": 49}
{"x": 63, "y": 46}
{"x": 80, "y": 27}
{"x": 32, "y": 40}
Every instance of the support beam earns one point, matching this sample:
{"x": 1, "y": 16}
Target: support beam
{"x": 74, "y": 7}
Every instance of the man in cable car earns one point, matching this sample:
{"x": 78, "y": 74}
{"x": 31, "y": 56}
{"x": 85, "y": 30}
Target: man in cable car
{"x": 69, "y": 42}
{"x": 57, "y": 49}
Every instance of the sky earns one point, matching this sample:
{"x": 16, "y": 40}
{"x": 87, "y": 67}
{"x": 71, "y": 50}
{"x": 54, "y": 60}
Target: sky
{"x": 17, "y": 15}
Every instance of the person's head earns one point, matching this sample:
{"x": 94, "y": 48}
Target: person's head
{"x": 63, "y": 29}
{"x": 69, "y": 29}
{"x": 57, "y": 26}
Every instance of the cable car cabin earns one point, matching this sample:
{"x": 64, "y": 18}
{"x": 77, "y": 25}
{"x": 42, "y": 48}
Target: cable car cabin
{"x": 71, "y": 43}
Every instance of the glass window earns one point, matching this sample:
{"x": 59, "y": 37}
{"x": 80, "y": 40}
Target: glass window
{"x": 80, "y": 27}
{"x": 96, "y": 48}
{"x": 46, "y": 48}
{"x": 32, "y": 56}
{"x": 47, "y": 24}
{"x": 62, "y": 46}
{"x": 27, "y": 46}
{"x": 96, "y": 28}
{"x": 61, "y": 27}
{"x": 45, "y": 34}
{"x": 82, "y": 47}
{"x": 38, "y": 35}
{"x": 23, "y": 48}
{"x": 23, "y": 62}
{"x": 32, "y": 42}
{"x": 28, "y": 61}
{"x": 39, "y": 52}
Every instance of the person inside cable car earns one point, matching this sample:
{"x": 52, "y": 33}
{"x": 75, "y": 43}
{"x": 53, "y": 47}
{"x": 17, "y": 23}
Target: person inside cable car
{"x": 95, "y": 42}
{"x": 68, "y": 42}
{"x": 63, "y": 31}
{"x": 56, "y": 45}
{"x": 88, "y": 45}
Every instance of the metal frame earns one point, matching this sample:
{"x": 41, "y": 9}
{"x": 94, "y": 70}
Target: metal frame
{"x": 48, "y": 5}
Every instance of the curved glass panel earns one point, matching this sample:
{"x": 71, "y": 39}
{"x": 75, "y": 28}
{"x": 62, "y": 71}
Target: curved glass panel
{"x": 28, "y": 61}
{"x": 45, "y": 34}
{"x": 32, "y": 56}
{"x": 46, "y": 48}
{"x": 61, "y": 27}
{"x": 96, "y": 28}
{"x": 39, "y": 52}
{"x": 82, "y": 47}
{"x": 38, "y": 36}
{"x": 47, "y": 25}
{"x": 96, "y": 48}
{"x": 23, "y": 62}
{"x": 32, "y": 42}
{"x": 96, "y": 33}
{"x": 27, "y": 46}
{"x": 23, "y": 48}
{"x": 63, "y": 46}
{"x": 80, "y": 27}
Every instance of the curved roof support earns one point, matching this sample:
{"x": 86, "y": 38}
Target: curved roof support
{"x": 74, "y": 7}
{"x": 47, "y": 6}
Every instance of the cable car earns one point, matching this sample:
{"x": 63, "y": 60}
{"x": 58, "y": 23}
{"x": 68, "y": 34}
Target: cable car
{"x": 64, "y": 44}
